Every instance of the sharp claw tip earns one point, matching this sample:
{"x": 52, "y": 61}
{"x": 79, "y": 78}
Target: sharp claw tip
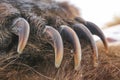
{"x": 77, "y": 67}
{"x": 19, "y": 51}
{"x": 96, "y": 64}
{"x": 57, "y": 65}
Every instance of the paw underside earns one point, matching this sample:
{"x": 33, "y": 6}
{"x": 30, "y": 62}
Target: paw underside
{"x": 82, "y": 29}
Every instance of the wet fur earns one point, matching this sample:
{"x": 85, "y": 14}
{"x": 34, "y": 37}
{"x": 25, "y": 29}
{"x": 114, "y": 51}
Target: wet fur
{"x": 37, "y": 60}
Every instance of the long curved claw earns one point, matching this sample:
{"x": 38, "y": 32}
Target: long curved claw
{"x": 97, "y": 31}
{"x": 94, "y": 30}
{"x": 69, "y": 35}
{"x": 21, "y": 28}
{"x": 82, "y": 31}
{"x": 54, "y": 38}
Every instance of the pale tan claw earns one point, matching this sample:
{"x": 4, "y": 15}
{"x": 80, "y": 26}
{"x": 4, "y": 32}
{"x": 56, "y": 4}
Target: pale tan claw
{"x": 53, "y": 37}
{"x": 22, "y": 29}
{"x": 69, "y": 35}
{"x": 84, "y": 33}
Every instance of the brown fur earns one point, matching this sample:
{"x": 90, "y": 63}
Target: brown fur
{"x": 71, "y": 10}
{"x": 37, "y": 60}
{"x": 41, "y": 66}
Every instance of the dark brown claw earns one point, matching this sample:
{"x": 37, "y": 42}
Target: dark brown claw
{"x": 69, "y": 35}
{"x": 83, "y": 32}
{"x": 53, "y": 37}
{"x": 22, "y": 29}
{"x": 94, "y": 30}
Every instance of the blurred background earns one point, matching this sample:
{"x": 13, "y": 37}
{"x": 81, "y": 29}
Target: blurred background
{"x": 104, "y": 13}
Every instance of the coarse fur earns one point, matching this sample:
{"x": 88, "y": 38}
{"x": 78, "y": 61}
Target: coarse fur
{"x": 37, "y": 60}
